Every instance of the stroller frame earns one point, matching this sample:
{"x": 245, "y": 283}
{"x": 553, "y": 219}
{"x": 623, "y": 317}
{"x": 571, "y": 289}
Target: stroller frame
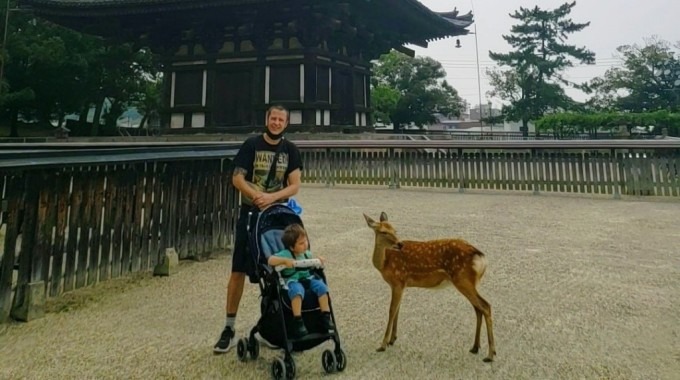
{"x": 264, "y": 240}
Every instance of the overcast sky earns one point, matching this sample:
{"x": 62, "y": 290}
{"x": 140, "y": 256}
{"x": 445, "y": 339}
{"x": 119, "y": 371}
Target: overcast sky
{"x": 612, "y": 23}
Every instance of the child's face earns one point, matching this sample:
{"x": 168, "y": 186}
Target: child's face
{"x": 301, "y": 245}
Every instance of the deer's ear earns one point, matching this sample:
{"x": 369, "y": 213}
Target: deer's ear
{"x": 371, "y": 223}
{"x": 383, "y": 217}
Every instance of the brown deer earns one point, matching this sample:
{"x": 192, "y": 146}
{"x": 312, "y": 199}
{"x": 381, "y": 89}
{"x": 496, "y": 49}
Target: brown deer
{"x": 429, "y": 264}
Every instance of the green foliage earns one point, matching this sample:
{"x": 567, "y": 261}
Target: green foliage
{"x": 384, "y": 100}
{"x": 532, "y": 81}
{"x": 51, "y": 71}
{"x": 150, "y": 101}
{"x": 648, "y": 80}
{"x": 569, "y": 123}
{"x": 408, "y": 90}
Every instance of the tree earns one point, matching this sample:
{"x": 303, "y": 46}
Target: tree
{"x": 409, "y": 90}
{"x": 50, "y": 71}
{"x": 648, "y": 80}
{"x": 566, "y": 124}
{"x": 532, "y": 82}
{"x": 384, "y": 99}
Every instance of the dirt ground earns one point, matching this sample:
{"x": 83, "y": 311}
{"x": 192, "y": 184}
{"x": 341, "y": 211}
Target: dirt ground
{"x": 581, "y": 288}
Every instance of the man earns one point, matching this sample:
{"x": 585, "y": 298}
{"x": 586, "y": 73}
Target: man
{"x": 252, "y": 167}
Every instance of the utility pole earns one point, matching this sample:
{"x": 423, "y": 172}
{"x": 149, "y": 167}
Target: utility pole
{"x": 479, "y": 76}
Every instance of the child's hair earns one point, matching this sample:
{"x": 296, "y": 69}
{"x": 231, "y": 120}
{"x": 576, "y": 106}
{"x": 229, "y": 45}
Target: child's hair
{"x": 291, "y": 234}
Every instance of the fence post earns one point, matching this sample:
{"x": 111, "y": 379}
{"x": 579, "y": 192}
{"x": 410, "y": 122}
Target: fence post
{"x": 462, "y": 171}
{"x": 616, "y": 170}
{"x": 329, "y": 168}
{"x": 14, "y": 194}
{"x": 29, "y": 298}
{"x": 394, "y": 175}
{"x": 534, "y": 174}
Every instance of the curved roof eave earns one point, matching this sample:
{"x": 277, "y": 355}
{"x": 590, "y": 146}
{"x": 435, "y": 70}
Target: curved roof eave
{"x": 433, "y": 25}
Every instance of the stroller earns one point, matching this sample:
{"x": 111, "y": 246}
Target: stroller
{"x": 276, "y": 312}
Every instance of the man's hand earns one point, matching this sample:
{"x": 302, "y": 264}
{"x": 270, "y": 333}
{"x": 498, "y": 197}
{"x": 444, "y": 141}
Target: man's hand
{"x": 290, "y": 263}
{"x": 262, "y": 200}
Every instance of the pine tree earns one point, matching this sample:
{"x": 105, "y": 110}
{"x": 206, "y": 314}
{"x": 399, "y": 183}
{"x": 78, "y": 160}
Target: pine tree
{"x": 532, "y": 83}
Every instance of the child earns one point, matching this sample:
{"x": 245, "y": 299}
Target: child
{"x": 295, "y": 239}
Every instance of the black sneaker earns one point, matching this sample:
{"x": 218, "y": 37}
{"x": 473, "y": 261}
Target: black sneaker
{"x": 299, "y": 329}
{"x": 226, "y": 342}
{"x": 327, "y": 322}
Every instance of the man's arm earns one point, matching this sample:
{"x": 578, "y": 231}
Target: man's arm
{"x": 246, "y": 188}
{"x": 294, "y": 180}
{"x": 263, "y": 200}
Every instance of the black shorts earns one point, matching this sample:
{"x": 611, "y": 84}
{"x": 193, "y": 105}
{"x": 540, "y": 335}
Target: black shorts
{"x": 241, "y": 260}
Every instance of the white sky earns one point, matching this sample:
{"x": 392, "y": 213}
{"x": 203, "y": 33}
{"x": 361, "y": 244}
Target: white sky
{"x": 612, "y": 23}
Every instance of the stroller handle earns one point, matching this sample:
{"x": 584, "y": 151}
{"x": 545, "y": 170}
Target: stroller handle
{"x": 307, "y": 263}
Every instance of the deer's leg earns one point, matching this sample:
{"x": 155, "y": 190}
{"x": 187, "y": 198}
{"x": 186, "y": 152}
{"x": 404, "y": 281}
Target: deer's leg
{"x": 397, "y": 292}
{"x": 481, "y": 307}
{"x": 394, "y": 326}
{"x": 475, "y": 346}
{"x": 489, "y": 329}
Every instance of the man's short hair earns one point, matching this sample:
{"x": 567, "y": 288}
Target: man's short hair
{"x": 276, "y": 107}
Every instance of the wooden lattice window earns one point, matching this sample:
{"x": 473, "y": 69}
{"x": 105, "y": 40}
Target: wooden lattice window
{"x": 232, "y": 98}
{"x": 322, "y": 84}
{"x": 189, "y": 88}
{"x": 359, "y": 90}
{"x": 284, "y": 83}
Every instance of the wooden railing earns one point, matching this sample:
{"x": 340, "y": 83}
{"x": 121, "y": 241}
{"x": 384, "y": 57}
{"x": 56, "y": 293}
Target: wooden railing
{"x": 620, "y": 167}
{"x": 74, "y": 218}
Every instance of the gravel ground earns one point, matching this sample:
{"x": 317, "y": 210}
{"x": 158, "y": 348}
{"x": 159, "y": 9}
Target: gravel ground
{"x": 580, "y": 288}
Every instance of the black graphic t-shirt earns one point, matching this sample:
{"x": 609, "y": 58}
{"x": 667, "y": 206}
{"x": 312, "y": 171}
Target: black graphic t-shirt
{"x": 255, "y": 157}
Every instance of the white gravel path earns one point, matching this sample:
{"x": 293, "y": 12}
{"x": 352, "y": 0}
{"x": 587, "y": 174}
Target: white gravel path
{"x": 580, "y": 288}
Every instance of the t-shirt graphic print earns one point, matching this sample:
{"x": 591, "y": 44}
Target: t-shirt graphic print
{"x": 261, "y": 167}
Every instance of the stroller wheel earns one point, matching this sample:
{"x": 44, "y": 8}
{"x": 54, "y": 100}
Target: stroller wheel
{"x": 290, "y": 368}
{"x": 341, "y": 360}
{"x": 241, "y": 349}
{"x": 278, "y": 369}
{"x": 253, "y": 348}
{"x": 328, "y": 361}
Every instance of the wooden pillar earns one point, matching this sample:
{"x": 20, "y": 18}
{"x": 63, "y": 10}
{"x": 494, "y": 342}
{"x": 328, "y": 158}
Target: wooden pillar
{"x": 367, "y": 89}
{"x": 258, "y": 105}
{"x": 166, "y": 111}
{"x": 309, "y": 111}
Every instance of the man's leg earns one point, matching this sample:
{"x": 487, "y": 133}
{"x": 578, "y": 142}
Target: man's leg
{"x": 239, "y": 267}
{"x": 235, "y": 291}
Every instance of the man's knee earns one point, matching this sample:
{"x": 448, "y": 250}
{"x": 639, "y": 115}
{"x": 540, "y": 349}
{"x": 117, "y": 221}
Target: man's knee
{"x": 237, "y": 278}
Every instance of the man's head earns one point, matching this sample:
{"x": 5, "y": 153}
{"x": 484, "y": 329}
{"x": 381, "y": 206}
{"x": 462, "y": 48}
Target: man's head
{"x": 277, "y": 121}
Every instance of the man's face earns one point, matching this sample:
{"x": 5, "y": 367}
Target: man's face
{"x": 277, "y": 121}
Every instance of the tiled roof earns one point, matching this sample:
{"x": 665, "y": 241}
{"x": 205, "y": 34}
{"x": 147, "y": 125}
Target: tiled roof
{"x": 432, "y": 25}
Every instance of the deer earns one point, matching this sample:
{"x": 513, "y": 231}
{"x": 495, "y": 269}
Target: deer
{"x": 429, "y": 264}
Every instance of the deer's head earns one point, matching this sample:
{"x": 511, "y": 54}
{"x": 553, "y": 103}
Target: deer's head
{"x": 384, "y": 232}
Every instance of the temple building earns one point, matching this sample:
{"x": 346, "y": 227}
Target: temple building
{"x": 225, "y": 61}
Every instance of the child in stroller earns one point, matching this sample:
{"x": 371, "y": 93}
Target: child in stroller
{"x": 278, "y": 311}
{"x": 298, "y": 280}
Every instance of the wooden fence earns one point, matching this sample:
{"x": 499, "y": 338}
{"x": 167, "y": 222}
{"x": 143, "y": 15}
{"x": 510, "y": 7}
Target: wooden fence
{"x": 626, "y": 168}
{"x": 74, "y": 214}
{"x": 74, "y": 221}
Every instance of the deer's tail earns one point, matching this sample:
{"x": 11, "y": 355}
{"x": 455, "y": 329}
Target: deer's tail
{"x": 479, "y": 263}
